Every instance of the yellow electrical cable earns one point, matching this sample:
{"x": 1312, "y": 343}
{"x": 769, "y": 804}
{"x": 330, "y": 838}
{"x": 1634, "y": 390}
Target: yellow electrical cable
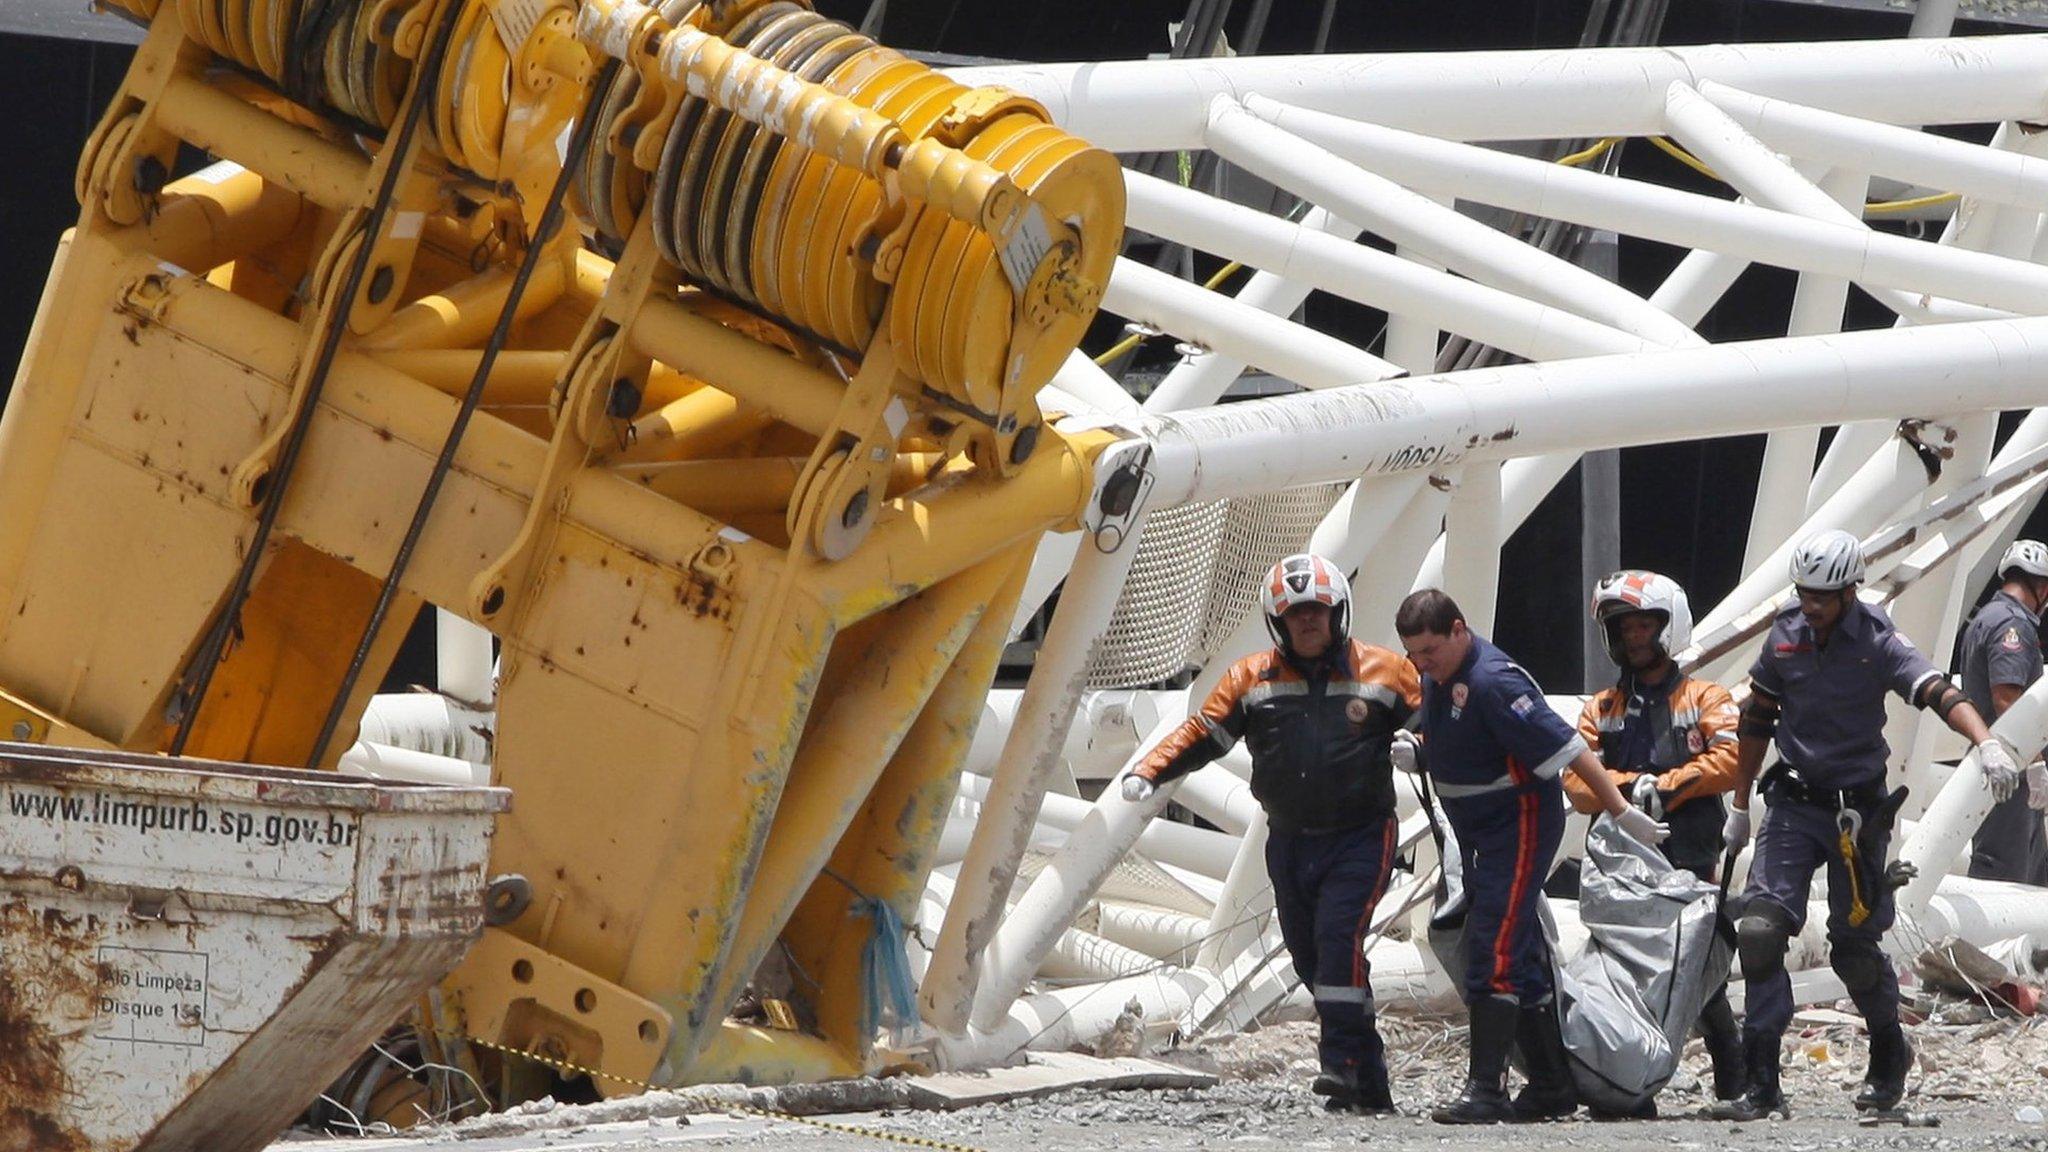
{"x": 1129, "y": 342}
{"x": 1907, "y": 205}
{"x": 1590, "y": 153}
{"x": 1686, "y": 158}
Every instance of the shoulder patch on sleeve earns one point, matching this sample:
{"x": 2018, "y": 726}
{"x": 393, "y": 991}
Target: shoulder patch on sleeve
{"x": 1522, "y": 705}
{"x": 2010, "y": 640}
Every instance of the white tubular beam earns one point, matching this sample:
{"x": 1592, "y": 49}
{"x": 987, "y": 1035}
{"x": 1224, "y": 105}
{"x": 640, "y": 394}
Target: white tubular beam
{"x": 463, "y": 660}
{"x": 385, "y": 762}
{"x": 1199, "y": 850}
{"x": 1431, "y": 230}
{"x": 1384, "y": 579}
{"x": 1764, "y": 179}
{"x": 1156, "y": 932}
{"x": 1148, "y": 105}
{"x": 1070, "y": 1017}
{"x": 429, "y": 722}
{"x": 1366, "y": 275}
{"x": 1890, "y": 479}
{"x": 1204, "y": 379}
{"x": 1030, "y": 757}
{"x": 1472, "y": 538}
{"x": 1082, "y": 955}
{"x": 1787, "y": 470}
{"x": 1887, "y": 150}
{"x": 1523, "y": 483}
{"x": 1847, "y": 250}
{"x": 1288, "y": 350}
{"x": 1608, "y": 402}
{"x": 1084, "y": 380}
{"x": 1697, "y": 284}
{"x": 1852, "y": 447}
{"x": 1222, "y": 798}
{"x": 1057, "y": 894}
{"x": 1247, "y": 896}
{"x": 1961, "y": 806}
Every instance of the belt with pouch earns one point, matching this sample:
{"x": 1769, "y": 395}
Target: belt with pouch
{"x": 1783, "y": 781}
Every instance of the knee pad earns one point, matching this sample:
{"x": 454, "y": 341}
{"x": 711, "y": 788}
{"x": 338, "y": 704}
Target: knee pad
{"x": 1760, "y": 939}
{"x": 1859, "y": 963}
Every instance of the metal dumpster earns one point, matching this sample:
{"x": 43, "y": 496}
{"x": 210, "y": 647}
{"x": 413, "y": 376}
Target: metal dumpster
{"x": 190, "y": 950}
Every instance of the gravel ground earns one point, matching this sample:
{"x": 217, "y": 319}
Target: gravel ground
{"x": 1986, "y": 1080}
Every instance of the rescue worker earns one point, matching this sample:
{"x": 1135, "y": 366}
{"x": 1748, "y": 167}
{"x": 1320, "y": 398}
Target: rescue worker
{"x": 1668, "y": 742}
{"x": 1495, "y": 749}
{"x": 1317, "y": 711}
{"x": 1817, "y": 689}
{"x": 2001, "y": 656}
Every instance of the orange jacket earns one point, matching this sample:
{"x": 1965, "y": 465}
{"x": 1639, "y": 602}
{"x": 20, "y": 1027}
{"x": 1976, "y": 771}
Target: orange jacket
{"x": 1694, "y": 752}
{"x": 1318, "y": 739}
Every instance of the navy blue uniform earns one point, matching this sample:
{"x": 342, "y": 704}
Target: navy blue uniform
{"x": 1318, "y": 733}
{"x": 1495, "y": 750}
{"x": 1832, "y": 755}
{"x": 2002, "y": 645}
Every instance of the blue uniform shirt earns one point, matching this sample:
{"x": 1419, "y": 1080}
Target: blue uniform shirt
{"x": 1832, "y": 725}
{"x": 2002, "y": 645}
{"x": 1488, "y": 729}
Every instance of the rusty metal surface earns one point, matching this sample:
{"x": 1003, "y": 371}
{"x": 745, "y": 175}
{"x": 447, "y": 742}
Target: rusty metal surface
{"x": 189, "y": 953}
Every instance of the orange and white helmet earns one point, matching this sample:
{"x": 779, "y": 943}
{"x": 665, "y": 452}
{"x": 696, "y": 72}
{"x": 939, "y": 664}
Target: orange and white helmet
{"x": 1305, "y": 578}
{"x": 1633, "y": 590}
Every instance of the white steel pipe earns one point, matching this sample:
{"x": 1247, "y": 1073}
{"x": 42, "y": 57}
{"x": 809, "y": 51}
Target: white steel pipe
{"x": 1766, "y": 180}
{"x": 1157, "y": 932}
{"x": 1246, "y": 898}
{"x": 1432, "y": 230}
{"x": 1366, "y": 275}
{"x": 1241, "y": 332}
{"x": 1607, "y": 402}
{"x": 1080, "y": 955}
{"x": 1848, "y": 250}
{"x": 1157, "y": 105}
{"x": 463, "y": 661}
{"x": 1961, "y": 806}
{"x": 1891, "y": 478}
{"x": 1472, "y": 540}
{"x": 1056, "y": 895}
{"x": 1073, "y": 1017}
{"x": 1031, "y": 755}
{"x": 1887, "y": 150}
{"x": 1204, "y": 379}
{"x": 429, "y": 722}
{"x": 384, "y": 762}
{"x": 1198, "y": 850}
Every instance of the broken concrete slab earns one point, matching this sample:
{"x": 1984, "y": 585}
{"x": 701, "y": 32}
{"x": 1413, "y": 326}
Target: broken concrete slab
{"x": 1045, "y": 1073}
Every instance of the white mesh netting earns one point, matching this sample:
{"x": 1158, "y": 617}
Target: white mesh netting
{"x": 1195, "y": 577}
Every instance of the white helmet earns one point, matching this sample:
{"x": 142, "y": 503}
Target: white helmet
{"x": 1305, "y": 578}
{"x": 1828, "y": 561}
{"x": 2029, "y": 556}
{"x": 1637, "y": 591}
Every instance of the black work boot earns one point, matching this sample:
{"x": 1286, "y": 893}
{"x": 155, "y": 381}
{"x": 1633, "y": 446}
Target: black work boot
{"x": 1485, "y": 1098}
{"x": 1884, "y": 1083}
{"x": 1724, "y": 1048}
{"x": 1550, "y": 1094}
{"x": 1763, "y": 1100}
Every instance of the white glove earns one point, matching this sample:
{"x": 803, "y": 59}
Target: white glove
{"x": 1405, "y": 752}
{"x": 1735, "y": 830}
{"x": 1642, "y": 827}
{"x": 2001, "y": 771}
{"x": 1644, "y": 795}
{"x": 1137, "y": 789}
{"x": 2037, "y": 786}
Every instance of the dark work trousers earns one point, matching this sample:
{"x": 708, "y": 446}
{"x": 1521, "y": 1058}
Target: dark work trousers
{"x": 1795, "y": 840}
{"x": 1506, "y": 841}
{"x": 2010, "y": 844}
{"x": 1325, "y": 886}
